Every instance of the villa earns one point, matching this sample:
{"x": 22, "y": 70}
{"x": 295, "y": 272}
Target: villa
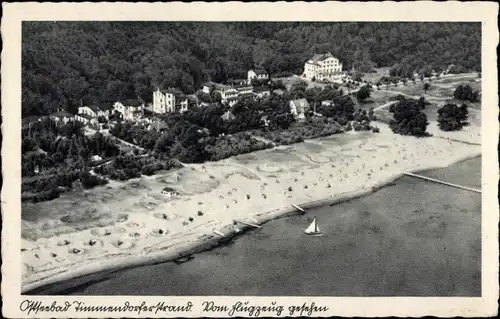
{"x": 298, "y": 108}
{"x": 130, "y": 109}
{"x": 259, "y": 74}
{"x": 62, "y": 117}
{"x": 96, "y": 111}
{"x": 262, "y": 91}
{"x": 86, "y": 119}
{"x": 322, "y": 66}
{"x": 168, "y": 101}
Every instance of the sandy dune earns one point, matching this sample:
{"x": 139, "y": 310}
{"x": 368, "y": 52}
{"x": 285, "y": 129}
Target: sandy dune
{"x": 133, "y": 223}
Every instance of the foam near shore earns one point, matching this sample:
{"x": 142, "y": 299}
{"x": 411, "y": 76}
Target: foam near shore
{"x": 218, "y": 199}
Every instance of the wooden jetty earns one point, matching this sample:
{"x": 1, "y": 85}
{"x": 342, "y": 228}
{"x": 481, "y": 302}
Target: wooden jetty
{"x": 248, "y": 224}
{"x": 219, "y": 233}
{"x": 253, "y": 220}
{"x": 298, "y": 208}
{"x": 444, "y": 183}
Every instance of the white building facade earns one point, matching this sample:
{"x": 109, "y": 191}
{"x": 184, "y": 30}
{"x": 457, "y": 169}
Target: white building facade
{"x": 168, "y": 101}
{"x": 131, "y": 110}
{"x": 258, "y": 74}
{"x": 322, "y": 66}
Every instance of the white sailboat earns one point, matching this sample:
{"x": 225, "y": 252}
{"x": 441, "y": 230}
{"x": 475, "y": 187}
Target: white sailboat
{"x": 313, "y": 229}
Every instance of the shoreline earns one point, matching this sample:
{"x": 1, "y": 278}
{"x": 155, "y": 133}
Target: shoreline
{"x": 203, "y": 243}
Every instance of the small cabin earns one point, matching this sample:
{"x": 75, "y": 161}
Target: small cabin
{"x": 169, "y": 192}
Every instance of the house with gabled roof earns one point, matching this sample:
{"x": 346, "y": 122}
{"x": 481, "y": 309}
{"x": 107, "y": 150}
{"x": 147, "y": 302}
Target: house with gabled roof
{"x": 262, "y": 91}
{"x": 228, "y": 116}
{"x": 298, "y": 108}
{"x": 30, "y": 120}
{"x": 96, "y": 110}
{"x": 62, "y": 117}
{"x": 322, "y": 66}
{"x": 130, "y": 109}
{"x": 258, "y": 73}
{"x": 86, "y": 119}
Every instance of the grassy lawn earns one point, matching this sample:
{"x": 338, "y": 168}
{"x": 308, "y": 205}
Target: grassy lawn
{"x": 409, "y": 89}
{"x": 289, "y": 81}
{"x": 376, "y": 99}
{"x": 375, "y": 77}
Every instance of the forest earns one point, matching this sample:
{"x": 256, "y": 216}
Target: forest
{"x": 66, "y": 64}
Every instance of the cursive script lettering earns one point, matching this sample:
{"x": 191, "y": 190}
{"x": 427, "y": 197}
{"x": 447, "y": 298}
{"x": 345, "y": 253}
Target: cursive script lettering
{"x": 308, "y": 310}
{"x": 210, "y": 306}
{"x": 30, "y": 306}
{"x": 255, "y": 310}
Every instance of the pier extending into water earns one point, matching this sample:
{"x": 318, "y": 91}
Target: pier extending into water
{"x": 248, "y": 224}
{"x": 444, "y": 183}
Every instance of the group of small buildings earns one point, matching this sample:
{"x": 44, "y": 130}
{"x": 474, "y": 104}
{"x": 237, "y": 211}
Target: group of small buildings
{"x": 234, "y": 90}
{"x": 170, "y": 100}
{"x": 92, "y": 115}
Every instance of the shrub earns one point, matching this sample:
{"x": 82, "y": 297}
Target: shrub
{"x": 466, "y": 93}
{"x": 88, "y": 181}
{"x": 452, "y": 117}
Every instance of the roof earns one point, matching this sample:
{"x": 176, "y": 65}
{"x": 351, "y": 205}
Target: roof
{"x": 62, "y": 114}
{"x": 94, "y": 108}
{"x": 100, "y": 107}
{"x": 192, "y": 98}
{"x": 259, "y": 89}
{"x": 209, "y": 84}
{"x": 228, "y": 116}
{"x": 169, "y": 189}
{"x": 85, "y": 116}
{"x": 160, "y": 125}
{"x": 243, "y": 86}
{"x": 320, "y": 57}
{"x": 300, "y": 103}
{"x": 31, "y": 119}
{"x": 105, "y": 106}
{"x": 131, "y": 102}
{"x": 247, "y": 94}
{"x": 236, "y": 81}
{"x": 259, "y": 71}
{"x": 172, "y": 91}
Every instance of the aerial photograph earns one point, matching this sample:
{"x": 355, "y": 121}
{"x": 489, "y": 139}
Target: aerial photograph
{"x": 251, "y": 158}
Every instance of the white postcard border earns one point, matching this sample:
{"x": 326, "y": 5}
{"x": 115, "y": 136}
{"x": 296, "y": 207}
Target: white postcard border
{"x": 486, "y": 12}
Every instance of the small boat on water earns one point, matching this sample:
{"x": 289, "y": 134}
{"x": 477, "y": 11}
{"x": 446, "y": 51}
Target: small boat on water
{"x": 313, "y": 229}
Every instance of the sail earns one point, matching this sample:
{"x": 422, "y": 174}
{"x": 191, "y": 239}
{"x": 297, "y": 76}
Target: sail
{"x": 313, "y": 228}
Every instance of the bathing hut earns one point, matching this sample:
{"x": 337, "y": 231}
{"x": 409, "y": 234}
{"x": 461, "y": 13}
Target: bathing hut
{"x": 169, "y": 192}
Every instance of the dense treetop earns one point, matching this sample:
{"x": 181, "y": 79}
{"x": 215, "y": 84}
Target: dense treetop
{"x": 68, "y": 63}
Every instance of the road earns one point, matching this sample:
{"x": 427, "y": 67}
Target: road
{"x": 89, "y": 132}
{"x": 385, "y": 105}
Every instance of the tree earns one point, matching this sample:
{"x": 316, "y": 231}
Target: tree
{"x": 465, "y": 93}
{"x": 408, "y": 118}
{"x": 422, "y": 103}
{"x": 426, "y": 87}
{"x": 363, "y": 93}
{"x": 452, "y": 117}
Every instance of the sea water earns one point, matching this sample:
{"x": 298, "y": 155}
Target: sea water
{"x": 410, "y": 238}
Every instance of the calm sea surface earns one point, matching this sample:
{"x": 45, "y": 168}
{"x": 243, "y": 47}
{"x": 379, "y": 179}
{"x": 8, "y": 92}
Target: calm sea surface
{"x": 411, "y": 238}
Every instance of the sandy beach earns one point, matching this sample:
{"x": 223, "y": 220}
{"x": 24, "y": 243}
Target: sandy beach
{"x": 133, "y": 223}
